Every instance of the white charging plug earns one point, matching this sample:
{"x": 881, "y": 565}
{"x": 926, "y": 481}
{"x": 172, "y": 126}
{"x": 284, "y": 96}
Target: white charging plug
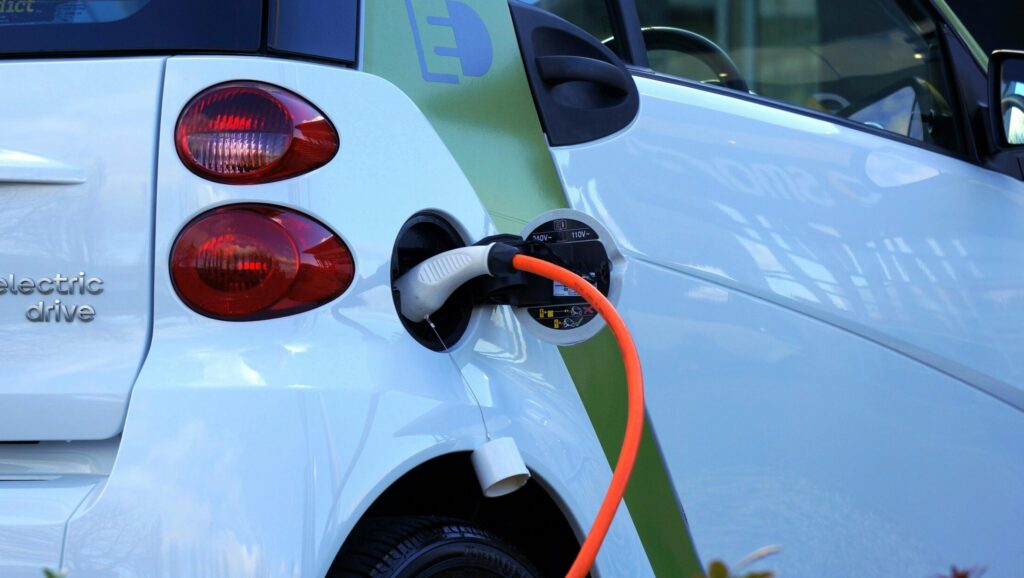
{"x": 425, "y": 287}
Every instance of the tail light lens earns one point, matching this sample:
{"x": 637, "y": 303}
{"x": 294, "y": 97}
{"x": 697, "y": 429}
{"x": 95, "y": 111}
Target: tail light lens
{"x": 249, "y": 133}
{"x": 249, "y": 261}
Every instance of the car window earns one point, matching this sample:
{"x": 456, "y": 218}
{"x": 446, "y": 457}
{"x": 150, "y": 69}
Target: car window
{"x": 77, "y": 26}
{"x": 590, "y": 15}
{"x": 325, "y": 28}
{"x": 877, "y": 62}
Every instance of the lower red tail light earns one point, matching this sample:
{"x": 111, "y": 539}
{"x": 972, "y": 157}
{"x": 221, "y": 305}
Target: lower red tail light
{"x": 251, "y": 261}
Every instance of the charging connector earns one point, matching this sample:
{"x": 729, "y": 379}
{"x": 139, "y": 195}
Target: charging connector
{"x": 426, "y": 287}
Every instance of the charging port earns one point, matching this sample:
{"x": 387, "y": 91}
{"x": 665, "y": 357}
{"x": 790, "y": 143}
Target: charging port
{"x": 422, "y": 237}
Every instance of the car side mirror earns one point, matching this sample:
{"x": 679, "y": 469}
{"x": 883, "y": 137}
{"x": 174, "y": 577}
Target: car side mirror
{"x": 1006, "y": 97}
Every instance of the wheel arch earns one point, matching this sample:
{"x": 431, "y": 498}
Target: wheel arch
{"x": 447, "y": 486}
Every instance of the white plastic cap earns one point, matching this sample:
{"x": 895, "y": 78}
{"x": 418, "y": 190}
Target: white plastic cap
{"x": 499, "y": 467}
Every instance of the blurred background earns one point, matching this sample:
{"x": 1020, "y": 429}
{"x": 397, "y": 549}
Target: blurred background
{"x": 877, "y": 62}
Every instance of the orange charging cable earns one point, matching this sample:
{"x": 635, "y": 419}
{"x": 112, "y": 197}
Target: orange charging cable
{"x": 635, "y": 411}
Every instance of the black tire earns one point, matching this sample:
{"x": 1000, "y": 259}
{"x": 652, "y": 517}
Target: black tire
{"x": 427, "y": 547}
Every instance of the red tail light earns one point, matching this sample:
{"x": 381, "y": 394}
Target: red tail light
{"x": 248, "y": 133}
{"x": 249, "y": 261}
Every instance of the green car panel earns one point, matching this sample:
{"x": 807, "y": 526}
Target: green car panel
{"x": 491, "y": 127}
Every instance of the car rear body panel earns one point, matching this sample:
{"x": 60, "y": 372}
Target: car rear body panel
{"x": 253, "y": 448}
{"x": 76, "y": 201}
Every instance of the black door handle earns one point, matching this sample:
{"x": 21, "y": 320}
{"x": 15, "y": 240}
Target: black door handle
{"x": 557, "y": 69}
{"x": 582, "y": 90}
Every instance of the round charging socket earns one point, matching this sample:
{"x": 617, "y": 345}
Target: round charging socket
{"x": 581, "y": 243}
{"x": 421, "y": 237}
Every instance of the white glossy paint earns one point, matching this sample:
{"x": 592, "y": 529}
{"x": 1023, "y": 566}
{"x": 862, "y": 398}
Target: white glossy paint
{"x": 76, "y": 195}
{"x": 33, "y": 514}
{"x": 251, "y": 449}
{"x": 826, "y": 319}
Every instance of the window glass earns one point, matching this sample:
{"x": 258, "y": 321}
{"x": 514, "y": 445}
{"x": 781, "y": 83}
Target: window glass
{"x": 877, "y": 62}
{"x": 38, "y": 26}
{"x": 590, "y": 15}
{"x": 325, "y": 28}
{"x": 41, "y": 12}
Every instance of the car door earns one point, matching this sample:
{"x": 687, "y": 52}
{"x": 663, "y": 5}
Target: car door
{"x": 827, "y": 294}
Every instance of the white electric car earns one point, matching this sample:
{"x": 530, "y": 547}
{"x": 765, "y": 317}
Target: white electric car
{"x": 810, "y": 214}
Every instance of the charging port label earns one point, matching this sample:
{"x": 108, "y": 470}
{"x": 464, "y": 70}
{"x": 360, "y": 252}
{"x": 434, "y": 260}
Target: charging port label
{"x": 559, "y": 290}
{"x": 579, "y": 247}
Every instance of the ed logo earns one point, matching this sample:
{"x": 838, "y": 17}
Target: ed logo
{"x": 472, "y": 52}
